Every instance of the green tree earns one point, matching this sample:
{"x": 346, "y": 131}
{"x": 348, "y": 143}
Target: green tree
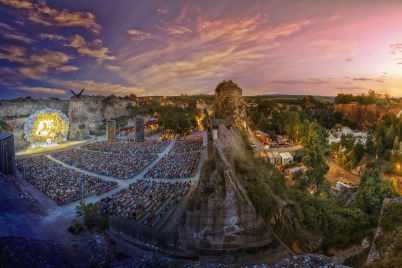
{"x": 370, "y": 145}
{"x": 396, "y": 146}
{"x": 380, "y": 146}
{"x": 372, "y": 191}
{"x": 390, "y": 137}
{"x": 315, "y": 145}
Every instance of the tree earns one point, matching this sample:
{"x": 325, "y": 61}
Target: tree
{"x": 380, "y": 146}
{"x": 370, "y": 145}
{"x": 369, "y": 195}
{"x": 372, "y": 191}
{"x": 315, "y": 145}
{"x": 396, "y": 146}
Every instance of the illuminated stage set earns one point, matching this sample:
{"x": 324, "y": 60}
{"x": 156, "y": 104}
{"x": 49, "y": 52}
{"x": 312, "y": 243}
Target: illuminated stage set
{"x": 46, "y": 128}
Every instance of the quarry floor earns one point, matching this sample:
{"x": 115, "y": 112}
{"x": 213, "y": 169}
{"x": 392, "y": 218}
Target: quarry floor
{"x": 41, "y": 218}
{"x": 338, "y": 173}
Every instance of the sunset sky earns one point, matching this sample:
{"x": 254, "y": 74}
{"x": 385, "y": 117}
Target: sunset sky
{"x": 172, "y": 47}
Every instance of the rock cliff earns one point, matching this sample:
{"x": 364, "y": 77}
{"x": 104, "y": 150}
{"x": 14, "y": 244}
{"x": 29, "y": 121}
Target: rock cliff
{"x": 225, "y": 218}
{"x": 88, "y": 112}
{"x": 26, "y": 107}
{"x": 386, "y": 249}
{"x": 365, "y": 116}
{"x": 229, "y": 104}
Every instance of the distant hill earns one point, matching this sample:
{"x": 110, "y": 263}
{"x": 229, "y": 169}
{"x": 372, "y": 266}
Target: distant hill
{"x": 274, "y": 96}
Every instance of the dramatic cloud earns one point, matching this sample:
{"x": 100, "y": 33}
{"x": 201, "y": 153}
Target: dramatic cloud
{"x": 92, "y": 49}
{"x": 95, "y": 88}
{"x": 299, "y": 81}
{"x": 36, "y": 65}
{"x": 40, "y": 91}
{"x": 113, "y": 68}
{"x": 138, "y": 35}
{"x": 177, "y": 30}
{"x": 41, "y": 13}
{"x": 162, "y": 11}
{"x": 362, "y": 79}
{"x": 10, "y": 32}
{"x": 55, "y": 37}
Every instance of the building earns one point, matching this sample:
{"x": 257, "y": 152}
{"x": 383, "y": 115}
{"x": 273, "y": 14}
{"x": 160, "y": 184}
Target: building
{"x": 281, "y": 140}
{"x": 278, "y": 158}
{"x": 252, "y": 104}
{"x": 111, "y": 130}
{"x": 294, "y": 171}
{"x": 214, "y": 126}
{"x": 271, "y": 158}
{"x": 7, "y": 154}
{"x": 287, "y": 158}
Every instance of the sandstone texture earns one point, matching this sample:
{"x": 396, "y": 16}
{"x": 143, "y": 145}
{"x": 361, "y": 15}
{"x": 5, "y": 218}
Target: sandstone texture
{"x": 226, "y": 219}
{"x": 230, "y": 105}
{"x": 365, "y": 116}
{"x": 26, "y": 107}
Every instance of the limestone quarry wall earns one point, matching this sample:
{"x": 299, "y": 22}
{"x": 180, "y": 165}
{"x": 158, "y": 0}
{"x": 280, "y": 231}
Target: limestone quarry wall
{"x": 26, "y": 107}
{"x": 85, "y": 113}
{"x": 88, "y": 112}
{"x": 364, "y": 115}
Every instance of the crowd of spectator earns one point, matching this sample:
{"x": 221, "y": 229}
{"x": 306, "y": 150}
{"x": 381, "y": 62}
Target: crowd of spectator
{"x": 117, "y": 165}
{"x": 173, "y": 166}
{"x": 185, "y": 146}
{"x": 59, "y": 183}
{"x": 143, "y": 197}
{"x": 180, "y": 162}
{"x": 149, "y": 147}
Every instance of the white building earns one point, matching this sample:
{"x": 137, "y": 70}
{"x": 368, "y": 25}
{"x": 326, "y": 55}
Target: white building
{"x": 287, "y": 158}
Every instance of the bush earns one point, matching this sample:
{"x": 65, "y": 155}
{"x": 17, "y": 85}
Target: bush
{"x": 391, "y": 216}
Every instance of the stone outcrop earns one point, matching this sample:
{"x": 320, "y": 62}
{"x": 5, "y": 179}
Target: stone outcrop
{"x": 226, "y": 218}
{"x": 365, "y": 116}
{"x": 26, "y": 107}
{"x": 230, "y": 105}
{"x": 88, "y": 112}
{"x": 386, "y": 246}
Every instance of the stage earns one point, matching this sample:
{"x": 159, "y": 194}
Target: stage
{"x": 64, "y": 146}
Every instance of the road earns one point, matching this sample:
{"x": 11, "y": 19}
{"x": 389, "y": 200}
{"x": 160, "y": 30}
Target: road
{"x": 338, "y": 173}
{"x": 262, "y": 148}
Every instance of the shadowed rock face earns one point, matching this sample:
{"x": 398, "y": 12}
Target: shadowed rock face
{"x": 226, "y": 219}
{"x": 365, "y": 116}
{"x": 87, "y": 112}
{"x": 229, "y": 104}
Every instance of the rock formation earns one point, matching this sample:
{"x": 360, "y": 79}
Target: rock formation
{"x": 225, "y": 218}
{"x": 365, "y": 116}
{"x": 88, "y": 112}
{"x": 229, "y": 104}
{"x": 26, "y": 107}
{"x": 386, "y": 248}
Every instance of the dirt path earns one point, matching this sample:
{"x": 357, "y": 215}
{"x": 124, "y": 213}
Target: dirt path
{"x": 338, "y": 173}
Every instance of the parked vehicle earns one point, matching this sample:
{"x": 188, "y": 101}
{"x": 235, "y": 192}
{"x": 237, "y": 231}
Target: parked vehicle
{"x": 254, "y": 147}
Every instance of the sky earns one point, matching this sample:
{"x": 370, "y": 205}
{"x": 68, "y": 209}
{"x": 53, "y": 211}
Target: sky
{"x": 173, "y": 47}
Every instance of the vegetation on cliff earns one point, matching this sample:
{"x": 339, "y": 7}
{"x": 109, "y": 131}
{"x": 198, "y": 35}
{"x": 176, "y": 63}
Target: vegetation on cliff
{"x": 388, "y": 241}
{"x": 371, "y": 98}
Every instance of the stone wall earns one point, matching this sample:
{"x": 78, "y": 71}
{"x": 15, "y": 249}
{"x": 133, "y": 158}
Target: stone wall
{"x": 89, "y": 112}
{"x": 26, "y": 107}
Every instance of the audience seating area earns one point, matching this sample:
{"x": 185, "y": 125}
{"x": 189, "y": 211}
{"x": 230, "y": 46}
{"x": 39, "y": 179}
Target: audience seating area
{"x": 59, "y": 183}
